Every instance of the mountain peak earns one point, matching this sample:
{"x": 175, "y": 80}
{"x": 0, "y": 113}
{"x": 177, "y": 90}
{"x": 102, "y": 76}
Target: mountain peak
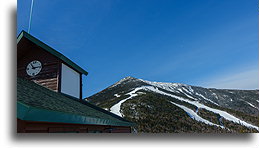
{"x": 124, "y": 80}
{"x": 149, "y": 103}
{"x": 129, "y": 77}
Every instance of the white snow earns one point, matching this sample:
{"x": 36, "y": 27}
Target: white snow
{"x": 206, "y": 98}
{"x": 251, "y": 104}
{"x": 190, "y": 92}
{"x": 197, "y": 110}
{"x": 186, "y": 90}
{"x": 190, "y": 97}
{"x": 195, "y": 116}
{"x": 119, "y": 82}
{"x": 215, "y": 95}
{"x": 257, "y": 101}
{"x": 179, "y": 89}
{"x": 117, "y": 95}
{"x": 141, "y": 93}
{"x": 224, "y": 114}
{"x": 116, "y": 108}
{"x": 190, "y": 89}
{"x": 171, "y": 87}
{"x": 166, "y": 86}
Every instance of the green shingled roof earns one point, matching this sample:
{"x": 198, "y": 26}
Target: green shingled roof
{"x": 51, "y": 50}
{"x": 37, "y": 103}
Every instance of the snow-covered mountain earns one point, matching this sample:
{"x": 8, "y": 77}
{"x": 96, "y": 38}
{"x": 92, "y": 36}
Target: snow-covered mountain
{"x": 174, "y": 107}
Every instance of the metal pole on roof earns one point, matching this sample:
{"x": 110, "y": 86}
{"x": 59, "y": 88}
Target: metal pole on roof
{"x": 30, "y": 16}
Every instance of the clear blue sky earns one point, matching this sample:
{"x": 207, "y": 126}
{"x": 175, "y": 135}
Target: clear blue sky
{"x": 210, "y": 43}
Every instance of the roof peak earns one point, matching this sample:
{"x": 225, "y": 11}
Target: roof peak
{"x": 24, "y": 34}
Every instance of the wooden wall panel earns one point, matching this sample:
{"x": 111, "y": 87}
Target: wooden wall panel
{"x": 49, "y": 127}
{"x": 27, "y": 52}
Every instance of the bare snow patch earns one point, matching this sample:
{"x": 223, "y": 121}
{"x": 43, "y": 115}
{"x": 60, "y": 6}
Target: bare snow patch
{"x": 187, "y": 91}
{"x": 207, "y": 99}
{"x": 195, "y": 116}
{"x": 116, "y": 108}
{"x": 166, "y": 86}
{"x": 117, "y": 95}
{"x": 251, "y": 104}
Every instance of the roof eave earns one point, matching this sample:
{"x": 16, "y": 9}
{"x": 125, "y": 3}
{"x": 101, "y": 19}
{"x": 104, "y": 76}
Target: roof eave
{"x": 29, "y": 113}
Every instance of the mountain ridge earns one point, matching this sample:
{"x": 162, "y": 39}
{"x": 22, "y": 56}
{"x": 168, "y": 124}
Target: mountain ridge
{"x": 238, "y": 108}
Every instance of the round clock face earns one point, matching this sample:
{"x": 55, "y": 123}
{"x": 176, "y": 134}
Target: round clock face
{"x": 33, "y": 68}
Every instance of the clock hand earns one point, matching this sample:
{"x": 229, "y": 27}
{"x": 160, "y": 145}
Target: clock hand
{"x": 37, "y": 67}
{"x": 32, "y": 66}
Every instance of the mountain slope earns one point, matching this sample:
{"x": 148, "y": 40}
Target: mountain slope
{"x": 174, "y": 107}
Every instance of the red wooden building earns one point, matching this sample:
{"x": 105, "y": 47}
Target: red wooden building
{"x": 49, "y": 94}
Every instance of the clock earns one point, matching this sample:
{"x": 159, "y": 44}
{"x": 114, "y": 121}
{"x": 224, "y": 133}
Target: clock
{"x": 33, "y": 68}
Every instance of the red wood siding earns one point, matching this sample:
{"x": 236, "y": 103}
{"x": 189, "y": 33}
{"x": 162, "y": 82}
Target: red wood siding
{"x": 27, "y": 52}
{"x": 48, "y": 127}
